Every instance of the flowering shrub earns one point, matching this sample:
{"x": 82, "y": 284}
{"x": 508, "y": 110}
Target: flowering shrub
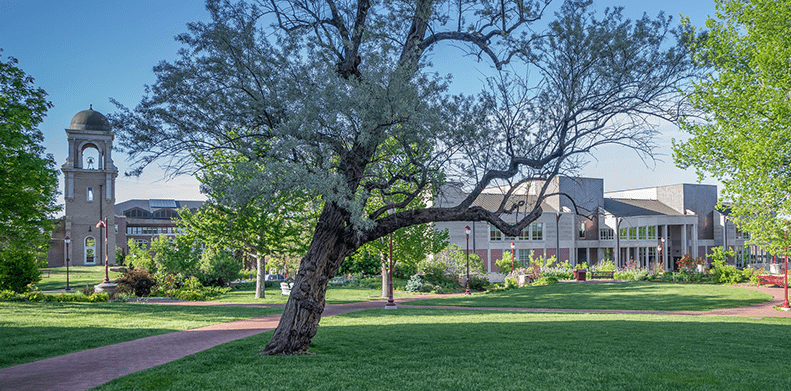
{"x": 685, "y": 262}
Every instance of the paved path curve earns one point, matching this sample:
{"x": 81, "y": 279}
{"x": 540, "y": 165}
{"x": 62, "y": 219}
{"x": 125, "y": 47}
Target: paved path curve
{"x": 79, "y": 371}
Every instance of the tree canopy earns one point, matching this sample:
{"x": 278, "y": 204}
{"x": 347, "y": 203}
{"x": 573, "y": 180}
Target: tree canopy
{"x": 337, "y": 99}
{"x": 746, "y": 129}
{"x": 28, "y": 179}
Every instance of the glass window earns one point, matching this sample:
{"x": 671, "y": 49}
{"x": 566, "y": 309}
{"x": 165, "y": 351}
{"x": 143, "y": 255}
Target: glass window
{"x": 606, "y": 234}
{"x": 538, "y": 231}
{"x": 525, "y": 234}
{"x": 623, "y": 234}
{"x": 632, "y": 233}
{"x": 641, "y": 232}
{"x": 652, "y": 232}
{"x": 90, "y": 194}
{"x": 582, "y": 230}
{"x": 495, "y": 234}
{"x": 524, "y": 257}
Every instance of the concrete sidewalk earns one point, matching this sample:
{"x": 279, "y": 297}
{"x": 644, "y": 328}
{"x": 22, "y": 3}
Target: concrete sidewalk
{"x": 78, "y": 371}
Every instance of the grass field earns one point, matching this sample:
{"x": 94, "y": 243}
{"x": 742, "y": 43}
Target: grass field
{"x": 335, "y": 295}
{"x": 33, "y": 331}
{"x": 55, "y": 278}
{"x": 616, "y": 296}
{"x": 430, "y": 349}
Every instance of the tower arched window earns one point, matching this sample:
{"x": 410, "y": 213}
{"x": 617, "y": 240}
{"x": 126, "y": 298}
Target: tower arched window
{"x": 90, "y": 250}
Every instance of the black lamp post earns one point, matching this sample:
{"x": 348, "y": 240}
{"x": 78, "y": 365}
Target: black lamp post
{"x": 67, "y": 240}
{"x": 467, "y": 231}
{"x": 391, "y": 305}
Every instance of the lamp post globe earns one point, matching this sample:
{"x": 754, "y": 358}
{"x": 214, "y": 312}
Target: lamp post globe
{"x": 467, "y": 231}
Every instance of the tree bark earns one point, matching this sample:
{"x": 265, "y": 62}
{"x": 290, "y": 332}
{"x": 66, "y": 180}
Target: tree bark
{"x": 260, "y": 284}
{"x": 300, "y": 319}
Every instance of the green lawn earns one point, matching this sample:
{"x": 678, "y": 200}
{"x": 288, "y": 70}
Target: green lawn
{"x": 621, "y": 296}
{"x": 33, "y": 331}
{"x": 335, "y": 295}
{"x": 55, "y": 278}
{"x": 431, "y": 349}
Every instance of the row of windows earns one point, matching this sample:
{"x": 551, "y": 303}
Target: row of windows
{"x": 151, "y": 230}
{"x": 533, "y": 231}
{"x": 638, "y": 233}
{"x": 164, "y": 214}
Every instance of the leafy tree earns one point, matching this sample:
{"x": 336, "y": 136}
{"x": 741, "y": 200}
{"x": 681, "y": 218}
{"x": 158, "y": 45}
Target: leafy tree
{"x": 18, "y": 269}
{"x": 343, "y": 106}
{"x": 742, "y": 140}
{"x": 28, "y": 179}
{"x": 261, "y": 227}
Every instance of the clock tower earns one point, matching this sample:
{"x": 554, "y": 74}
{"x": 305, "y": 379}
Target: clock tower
{"x": 89, "y": 177}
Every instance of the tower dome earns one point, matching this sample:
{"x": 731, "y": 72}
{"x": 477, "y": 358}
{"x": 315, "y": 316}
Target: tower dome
{"x": 90, "y": 120}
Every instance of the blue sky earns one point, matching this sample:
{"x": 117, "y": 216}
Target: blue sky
{"x": 85, "y": 52}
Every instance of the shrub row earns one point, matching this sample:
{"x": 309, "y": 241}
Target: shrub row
{"x": 35, "y": 296}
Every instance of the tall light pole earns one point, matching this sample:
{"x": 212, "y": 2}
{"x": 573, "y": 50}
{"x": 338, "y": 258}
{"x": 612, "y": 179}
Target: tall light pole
{"x": 467, "y": 231}
{"x": 512, "y": 257}
{"x": 785, "y": 306}
{"x": 103, "y": 224}
{"x": 658, "y": 257}
{"x": 67, "y": 240}
{"x": 391, "y": 305}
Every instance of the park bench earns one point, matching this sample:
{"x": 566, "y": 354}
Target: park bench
{"x": 285, "y": 288}
{"x": 600, "y": 275}
{"x": 770, "y": 280}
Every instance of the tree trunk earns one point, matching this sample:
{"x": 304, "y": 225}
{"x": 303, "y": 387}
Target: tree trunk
{"x": 300, "y": 319}
{"x": 385, "y": 276}
{"x": 260, "y": 284}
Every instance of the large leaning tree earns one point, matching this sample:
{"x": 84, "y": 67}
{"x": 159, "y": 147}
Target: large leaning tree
{"x": 744, "y": 136}
{"x": 28, "y": 179}
{"x": 338, "y": 99}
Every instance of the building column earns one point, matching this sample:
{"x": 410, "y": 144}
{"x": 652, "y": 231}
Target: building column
{"x": 684, "y": 247}
{"x": 666, "y": 235}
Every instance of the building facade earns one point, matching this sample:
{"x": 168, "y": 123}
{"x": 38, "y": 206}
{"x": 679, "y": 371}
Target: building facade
{"x": 585, "y": 224}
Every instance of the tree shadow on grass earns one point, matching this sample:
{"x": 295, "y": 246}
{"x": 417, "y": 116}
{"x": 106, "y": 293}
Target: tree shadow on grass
{"x": 613, "y": 296}
{"x": 472, "y": 350}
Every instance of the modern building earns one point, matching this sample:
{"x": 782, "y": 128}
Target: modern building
{"x": 89, "y": 192}
{"x": 584, "y": 224}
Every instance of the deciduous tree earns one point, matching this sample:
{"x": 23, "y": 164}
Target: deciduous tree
{"x": 28, "y": 180}
{"x": 746, "y": 128}
{"x": 344, "y": 106}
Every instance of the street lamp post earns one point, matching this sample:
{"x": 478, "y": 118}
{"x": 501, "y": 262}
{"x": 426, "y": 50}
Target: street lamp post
{"x": 785, "y": 306}
{"x": 512, "y": 257}
{"x": 391, "y": 305}
{"x": 67, "y": 240}
{"x": 103, "y": 224}
{"x": 467, "y": 231}
{"x": 658, "y": 257}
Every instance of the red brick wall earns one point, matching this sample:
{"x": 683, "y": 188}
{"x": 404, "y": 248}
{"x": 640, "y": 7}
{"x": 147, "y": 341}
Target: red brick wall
{"x": 484, "y": 257}
{"x": 496, "y": 255}
{"x": 564, "y": 255}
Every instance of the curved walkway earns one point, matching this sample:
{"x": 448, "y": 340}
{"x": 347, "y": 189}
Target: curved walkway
{"x": 94, "y": 367}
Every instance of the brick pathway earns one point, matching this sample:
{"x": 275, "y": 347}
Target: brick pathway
{"x": 79, "y": 371}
